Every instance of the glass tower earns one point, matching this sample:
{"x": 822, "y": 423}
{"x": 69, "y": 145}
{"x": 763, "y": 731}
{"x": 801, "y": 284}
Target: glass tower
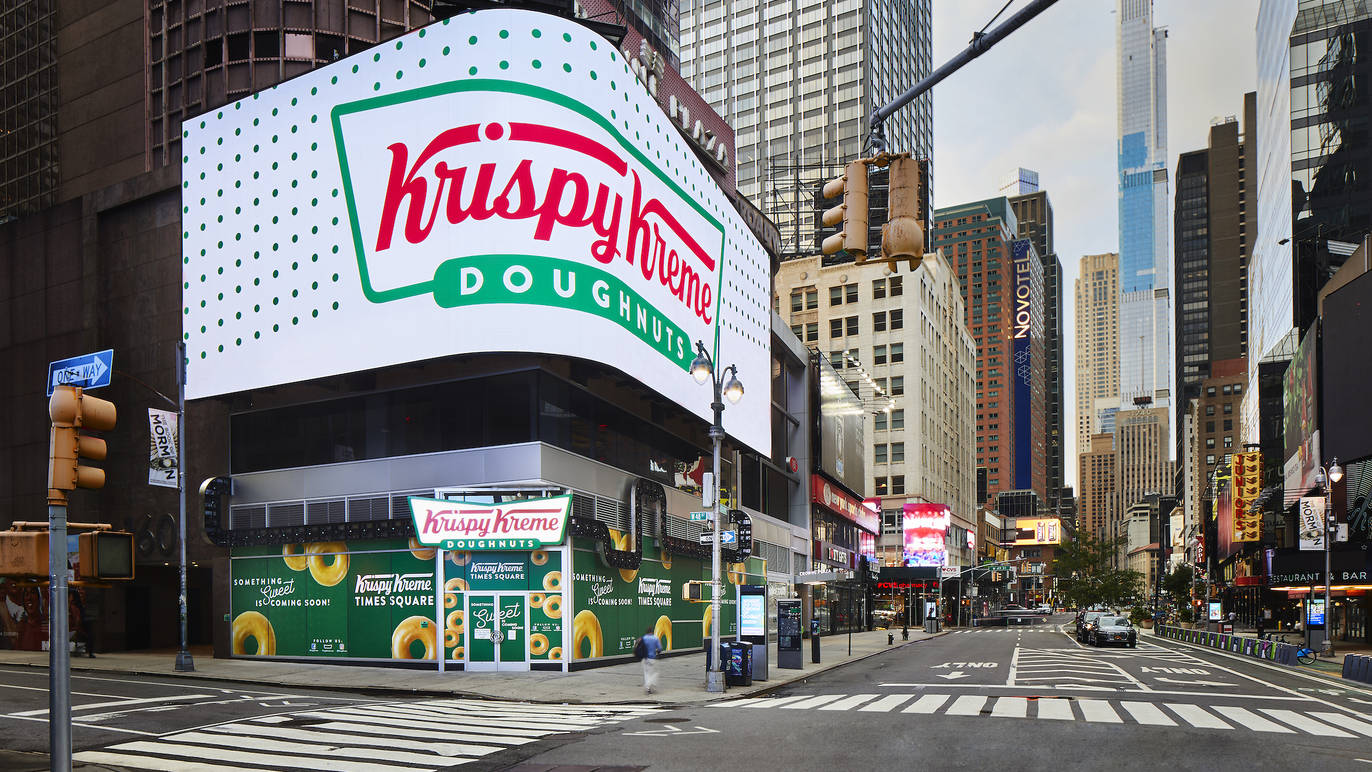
{"x": 1144, "y": 272}
{"x": 798, "y": 79}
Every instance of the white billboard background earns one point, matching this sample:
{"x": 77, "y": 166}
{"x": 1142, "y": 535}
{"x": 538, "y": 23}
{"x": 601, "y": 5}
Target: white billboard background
{"x": 285, "y": 281}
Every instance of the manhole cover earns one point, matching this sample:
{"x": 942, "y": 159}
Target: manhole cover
{"x": 668, "y": 720}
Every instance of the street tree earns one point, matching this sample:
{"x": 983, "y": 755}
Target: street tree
{"x": 1177, "y": 585}
{"x": 1087, "y": 575}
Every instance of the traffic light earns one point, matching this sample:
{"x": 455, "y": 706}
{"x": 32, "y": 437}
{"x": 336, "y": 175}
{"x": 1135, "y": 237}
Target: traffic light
{"x": 72, "y": 412}
{"x": 693, "y": 591}
{"x": 106, "y": 555}
{"x": 852, "y": 212}
{"x": 902, "y": 237}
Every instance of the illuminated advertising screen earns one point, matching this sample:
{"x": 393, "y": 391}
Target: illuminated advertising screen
{"x": 1314, "y": 612}
{"x": 925, "y": 527}
{"x": 500, "y": 181}
{"x": 1038, "y": 531}
{"x": 1300, "y": 419}
{"x": 752, "y": 615}
{"x": 842, "y": 450}
{"x": 1216, "y": 612}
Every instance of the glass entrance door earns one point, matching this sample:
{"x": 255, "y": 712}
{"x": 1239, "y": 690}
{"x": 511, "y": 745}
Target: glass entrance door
{"x": 497, "y": 631}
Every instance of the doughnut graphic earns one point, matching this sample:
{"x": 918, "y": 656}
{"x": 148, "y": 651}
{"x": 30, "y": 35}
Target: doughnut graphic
{"x": 411, "y": 630}
{"x": 667, "y": 560}
{"x": 457, "y": 621}
{"x": 538, "y": 557}
{"x": 295, "y": 561}
{"x": 251, "y": 624}
{"x": 327, "y": 574}
{"x": 536, "y": 599}
{"x": 538, "y": 644}
{"x": 705, "y": 622}
{"x": 552, "y": 607}
{"x": 738, "y": 573}
{"x": 420, "y": 551}
{"x": 459, "y": 652}
{"x": 451, "y": 638}
{"x": 622, "y": 541}
{"x": 586, "y": 627}
{"x": 555, "y": 652}
{"x": 663, "y": 630}
{"x": 460, "y": 558}
{"x": 553, "y": 581}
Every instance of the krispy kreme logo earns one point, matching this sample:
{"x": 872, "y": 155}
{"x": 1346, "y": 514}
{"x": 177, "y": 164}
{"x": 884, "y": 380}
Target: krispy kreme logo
{"x": 466, "y": 525}
{"x": 391, "y": 584}
{"x": 550, "y": 205}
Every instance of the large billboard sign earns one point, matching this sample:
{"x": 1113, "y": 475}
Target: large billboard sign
{"x": 472, "y": 525}
{"x": 1038, "y": 531}
{"x": 926, "y": 529}
{"x": 1021, "y": 351}
{"x": 1300, "y": 419}
{"x": 499, "y": 181}
{"x": 842, "y": 450}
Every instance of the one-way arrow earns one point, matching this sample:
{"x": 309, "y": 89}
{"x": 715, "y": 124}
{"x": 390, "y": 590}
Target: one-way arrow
{"x": 674, "y": 732}
{"x": 952, "y": 676}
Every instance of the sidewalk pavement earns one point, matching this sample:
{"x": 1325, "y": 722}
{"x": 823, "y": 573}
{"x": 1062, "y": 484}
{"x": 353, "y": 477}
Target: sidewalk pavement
{"x": 681, "y": 679}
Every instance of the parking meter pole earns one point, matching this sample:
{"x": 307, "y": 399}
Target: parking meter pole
{"x": 814, "y": 641}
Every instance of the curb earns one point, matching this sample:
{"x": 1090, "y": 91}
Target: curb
{"x": 1303, "y": 670}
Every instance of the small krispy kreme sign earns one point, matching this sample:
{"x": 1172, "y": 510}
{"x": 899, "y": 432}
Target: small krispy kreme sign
{"x": 471, "y": 525}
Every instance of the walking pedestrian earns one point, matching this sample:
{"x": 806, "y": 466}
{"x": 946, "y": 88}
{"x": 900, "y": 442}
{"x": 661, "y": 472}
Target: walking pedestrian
{"x": 1262, "y": 625}
{"x": 651, "y": 648}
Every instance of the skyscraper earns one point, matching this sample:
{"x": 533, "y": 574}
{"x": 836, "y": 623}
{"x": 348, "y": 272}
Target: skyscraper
{"x": 1145, "y": 260}
{"x": 1098, "y": 345}
{"x": 1034, "y": 214}
{"x": 1001, "y": 278}
{"x": 1212, "y": 247}
{"x": 1096, "y": 478}
{"x": 1142, "y": 468}
{"x": 799, "y": 78}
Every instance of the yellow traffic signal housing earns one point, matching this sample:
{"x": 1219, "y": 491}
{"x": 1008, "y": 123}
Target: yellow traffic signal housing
{"x": 694, "y": 592}
{"x": 106, "y": 555}
{"x": 23, "y": 553}
{"x": 851, "y": 213}
{"x": 902, "y": 237}
{"x": 72, "y": 411}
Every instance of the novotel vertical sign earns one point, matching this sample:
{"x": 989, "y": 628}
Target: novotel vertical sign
{"x": 1021, "y": 354}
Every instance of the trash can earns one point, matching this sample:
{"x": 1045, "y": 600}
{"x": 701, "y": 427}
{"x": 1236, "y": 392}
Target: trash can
{"x": 737, "y": 657}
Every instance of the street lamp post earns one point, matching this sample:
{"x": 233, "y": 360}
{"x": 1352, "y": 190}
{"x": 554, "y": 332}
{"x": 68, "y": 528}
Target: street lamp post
{"x": 703, "y": 369}
{"x": 1328, "y": 477}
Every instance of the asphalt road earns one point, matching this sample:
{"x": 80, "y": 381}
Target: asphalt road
{"x": 1016, "y": 698}
{"x": 1013, "y": 698}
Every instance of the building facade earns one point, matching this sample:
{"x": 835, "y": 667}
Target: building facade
{"x": 1096, "y": 479}
{"x": 1142, "y": 444}
{"x": 1097, "y": 346}
{"x": 900, "y": 342}
{"x": 800, "y": 79}
{"x": 1001, "y": 278}
{"x": 1145, "y": 264}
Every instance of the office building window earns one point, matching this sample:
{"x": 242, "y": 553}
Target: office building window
{"x": 897, "y": 419}
{"x": 879, "y": 321}
{"x": 896, "y": 286}
{"x": 897, "y": 485}
{"x": 878, "y": 289}
{"x": 878, "y": 355}
{"x": 852, "y": 325}
{"x": 850, "y": 293}
{"x": 836, "y": 328}
{"x": 897, "y": 319}
{"x": 897, "y": 385}
{"x": 879, "y": 421}
{"x": 879, "y": 453}
{"x": 812, "y": 332}
{"x": 835, "y": 296}
{"x": 897, "y": 452}
{"x": 897, "y": 353}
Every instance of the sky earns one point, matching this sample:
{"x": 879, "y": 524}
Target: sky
{"x": 1044, "y": 99}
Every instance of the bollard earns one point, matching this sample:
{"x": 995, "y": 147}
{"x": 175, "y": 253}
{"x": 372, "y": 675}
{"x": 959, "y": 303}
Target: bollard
{"x": 890, "y": 638}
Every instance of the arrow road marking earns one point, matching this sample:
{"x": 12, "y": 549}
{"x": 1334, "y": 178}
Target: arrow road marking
{"x": 672, "y": 731}
{"x": 952, "y": 676}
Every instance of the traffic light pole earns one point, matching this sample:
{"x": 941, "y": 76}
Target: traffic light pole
{"x": 59, "y": 657}
{"x": 981, "y": 43}
{"x": 184, "y": 662}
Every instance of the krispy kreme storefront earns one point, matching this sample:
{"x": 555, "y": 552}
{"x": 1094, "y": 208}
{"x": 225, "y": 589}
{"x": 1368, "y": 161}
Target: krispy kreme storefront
{"x": 492, "y": 585}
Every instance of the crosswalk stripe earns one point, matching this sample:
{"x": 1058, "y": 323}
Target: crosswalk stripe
{"x": 280, "y": 746}
{"x": 455, "y": 745}
{"x": 739, "y": 703}
{"x": 390, "y": 714}
{"x": 1345, "y": 722}
{"x": 247, "y": 757}
{"x": 1011, "y": 707}
{"x": 397, "y": 731}
{"x": 494, "y": 734}
{"x": 848, "y": 703}
{"x": 1248, "y": 718}
{"x": 152, "y": 762}
{"x": 552, "y": 723}
{"x": 966, "y": 705}
{"x": 778, "y": 702}
{"x": 885, "y": 704}
{"x": 813, "y": 702}
{"x": 1305, "y": 723}
{"x": 1147, "y": 713}
{"x": 1196, "y": 716}
{"x": 1056, "y": 708}
{"x": 927, "y": 704}
{"x": 1099, "y": 711}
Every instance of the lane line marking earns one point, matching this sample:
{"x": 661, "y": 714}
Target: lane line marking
{"x": 118, "y": 703}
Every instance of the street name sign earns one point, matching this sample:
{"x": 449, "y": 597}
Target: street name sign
{"x": 700, "y": 517}
{"x": 88, "y": 371}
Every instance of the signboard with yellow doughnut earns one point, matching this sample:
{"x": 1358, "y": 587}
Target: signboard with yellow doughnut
{"x": 614, "y": 606}
{"x": 371, "y": 600}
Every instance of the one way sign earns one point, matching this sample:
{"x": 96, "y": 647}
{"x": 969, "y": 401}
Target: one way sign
{"x": 87, "y": 371}
{"x": 726, "y": 538}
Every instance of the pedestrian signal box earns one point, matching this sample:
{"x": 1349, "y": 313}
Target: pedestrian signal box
{"x": 692, "y": 591}
{"x": 106, "y": 556}
{"x": 23, "y": 553}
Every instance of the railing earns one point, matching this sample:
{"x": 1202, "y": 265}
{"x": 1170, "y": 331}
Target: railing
{"x": 1271, "y": 651}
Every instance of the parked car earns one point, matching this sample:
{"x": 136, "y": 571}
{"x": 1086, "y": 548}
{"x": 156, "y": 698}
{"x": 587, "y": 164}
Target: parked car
{"x": 1043, "y": 610}
{"x": 1085, "y": 623}
{"x": 1109, "y": 629}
